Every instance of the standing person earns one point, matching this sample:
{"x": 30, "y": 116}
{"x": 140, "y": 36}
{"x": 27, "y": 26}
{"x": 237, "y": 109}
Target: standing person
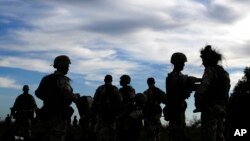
{"x": 128, "y": 94}
{"x": 75, "y": 122}
{"x": 57, "y": 95}
{"x": 23, "y": 111}
{"x": 127, "y": 91}
{"x": 132, "y": 117}
{"x": 211, "y": 97}
{"x": 153, "y": 110}
{"x": 106, "y": 107}
{"x": 178, "y": 88}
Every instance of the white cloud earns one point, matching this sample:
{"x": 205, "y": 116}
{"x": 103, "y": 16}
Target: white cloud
{"x": 119, "y": 37}
{"x": 6, "y": 82}
{"x": 25, "y": 63}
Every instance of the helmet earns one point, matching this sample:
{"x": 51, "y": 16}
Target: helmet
{"x": 125, "y": 79}
{"x": 178, "y": 57}
{"x": 25, "y": 87}
{"x": 61, "y": 60}
{"x": 108, "y": 78}
{"x": 151, "y": 81}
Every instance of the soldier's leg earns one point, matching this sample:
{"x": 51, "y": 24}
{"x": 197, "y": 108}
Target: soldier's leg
{"x": 221, "y": 129}
{"x": 208, "y": 127}
{"x": 56, "y": 128}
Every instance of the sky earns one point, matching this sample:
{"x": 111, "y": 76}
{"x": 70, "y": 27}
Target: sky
{"x": 116, "y": 37}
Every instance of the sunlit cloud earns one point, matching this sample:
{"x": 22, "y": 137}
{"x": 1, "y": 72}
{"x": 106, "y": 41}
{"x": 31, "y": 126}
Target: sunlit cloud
{"x": 6, "y": 82}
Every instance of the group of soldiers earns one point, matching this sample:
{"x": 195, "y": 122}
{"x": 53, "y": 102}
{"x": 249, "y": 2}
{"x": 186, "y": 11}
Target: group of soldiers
{"x": 120, "y": 114}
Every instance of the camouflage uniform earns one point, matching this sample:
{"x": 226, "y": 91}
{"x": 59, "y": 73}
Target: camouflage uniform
{"x": 178, "y": 88}
{"x": 132, "y": 117}
{"x": 23, "y": 112}
{"x": 128, "y": 94}
{"x": 178, "y": 91}
{"x": 57, "y": 95}
{"x": 211, "y": 97}
{"x": 213, "y": 103}
{"x": 84, "y": 106}
{"x": 153, "y": 110}
{"x": 106, "y": 105}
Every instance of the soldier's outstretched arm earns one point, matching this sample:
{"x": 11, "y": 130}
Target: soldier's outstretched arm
{"x": 193, "y": 83}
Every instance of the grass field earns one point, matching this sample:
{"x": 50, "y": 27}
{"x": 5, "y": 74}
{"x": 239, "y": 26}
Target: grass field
{"x": 192, "y": 133}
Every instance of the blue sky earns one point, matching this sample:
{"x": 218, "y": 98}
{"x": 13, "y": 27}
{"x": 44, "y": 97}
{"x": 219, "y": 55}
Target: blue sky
{"x": 116, "y": 37}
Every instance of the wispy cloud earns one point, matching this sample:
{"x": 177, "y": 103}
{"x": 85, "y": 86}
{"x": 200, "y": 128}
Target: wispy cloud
{"x": 121, "y": 37}
{"x": 6, "y": 82}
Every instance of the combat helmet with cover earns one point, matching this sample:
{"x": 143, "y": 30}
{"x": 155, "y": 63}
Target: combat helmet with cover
{"x": 61, "y": 61}
{"x": 178, "y": 57}
{"x": 125, "y": 79}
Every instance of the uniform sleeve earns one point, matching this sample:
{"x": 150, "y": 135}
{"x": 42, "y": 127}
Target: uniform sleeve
{"x": 16, "y": 104}
{"x": 162, "y": 96}
{"x": 97, "y": 95}
{"x": 66, "y": 90}
{"x": 33, "y": 103}
{"x": 118, "y": 95}
{"x": 40, "y": 90}
{"x": 206, "y": 80}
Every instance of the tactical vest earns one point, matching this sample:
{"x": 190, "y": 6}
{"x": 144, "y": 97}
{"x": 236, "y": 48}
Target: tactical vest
{"x": 177, "y": 87}
{"x": 128, "y": 94}
{"x": 51, "y": 94}
{"x": 108, "y": 102}
{"x": 155, "y": 97}
{"x": 217, "y": 92}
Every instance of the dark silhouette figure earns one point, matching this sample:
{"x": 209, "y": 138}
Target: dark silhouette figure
{"x": 84, "y": 106}
{"x": 23, "y": 113}
{"x": 237, "y": 115}
{"x": 106, "y": 107}
{"x": 127, "y": 91}
{"x": 153, "y": 110}
{"x": 57, "y": 95}
{"x": 75, "y": 122}
{"x": 178, "y": 88}
{"x": 132, "y": 117}
{"x": 128, "y": 94}
{"x": 211, "y": 97}
{"x": 8, "y": 134}
{"x": 8, "y": 120}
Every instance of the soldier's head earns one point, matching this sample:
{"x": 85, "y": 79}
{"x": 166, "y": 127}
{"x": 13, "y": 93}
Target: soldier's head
{"x": 125, "y": 80}
{"x": 61, "y": 63}
{"x": 108, "y": 79}
{"x": 209, "y": 56}
{"x": 140, "y": 99}
{"x": 151, "y": 81}
{"x": 25, "y": 89}
{"x": 178, "y": 59}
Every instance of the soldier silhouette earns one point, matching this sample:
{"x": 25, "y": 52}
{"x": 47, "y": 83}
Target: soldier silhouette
{"x": 127, "y": 91}
{"x": 178, "y": 88}
{"x": 211, "y": 97}
{"x": 23, "y": 113}
{"x": 75, "y": 122}
{"x": 57, "y": 95}
{"x": 84, "y": 106}
{"x": 106, "y": 107}
{"x": 153, "y": 110}
{"x": 128, "y": 94}
{"x": 8, "y": 133}
{"x": 132, "y": 117}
